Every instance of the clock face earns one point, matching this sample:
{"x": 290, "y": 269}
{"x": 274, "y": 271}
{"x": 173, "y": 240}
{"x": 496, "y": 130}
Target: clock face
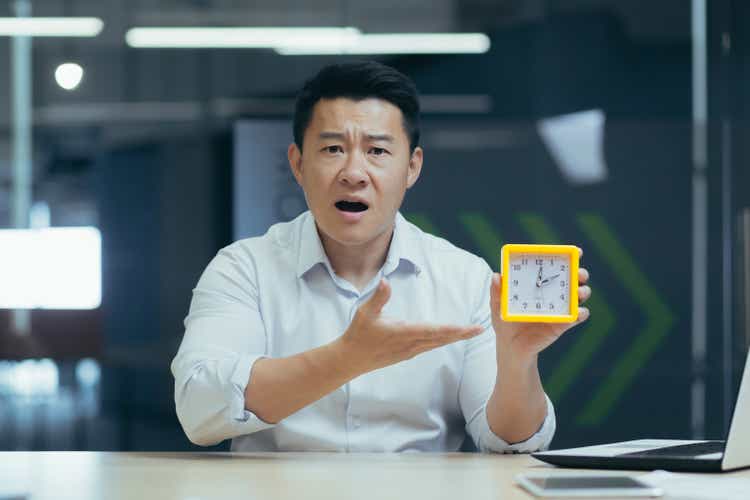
{"x": 539, "y": 284}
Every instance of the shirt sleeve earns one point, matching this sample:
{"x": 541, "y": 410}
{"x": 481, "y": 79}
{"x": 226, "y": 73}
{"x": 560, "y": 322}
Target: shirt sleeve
{"x": 224, "y": 337}
{"x": 477, "y": 383}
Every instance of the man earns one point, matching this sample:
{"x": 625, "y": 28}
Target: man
{"x": 349, "y": 328}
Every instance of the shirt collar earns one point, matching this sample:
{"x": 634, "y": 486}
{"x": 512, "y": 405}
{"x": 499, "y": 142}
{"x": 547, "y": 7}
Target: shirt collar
{"x": 310, "y": 250}
{"x": 403, "y": 247}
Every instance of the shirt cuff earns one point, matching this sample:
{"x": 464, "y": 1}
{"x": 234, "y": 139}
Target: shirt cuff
{"x": 246, "y": 420}
{"x": 490, "y": 442}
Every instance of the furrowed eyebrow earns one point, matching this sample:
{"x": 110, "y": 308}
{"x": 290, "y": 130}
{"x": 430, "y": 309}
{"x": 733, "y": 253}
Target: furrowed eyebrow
{"x": 332, "y": 135}
{"x": 342, "y": 137}
{"x": 380, "y": 137}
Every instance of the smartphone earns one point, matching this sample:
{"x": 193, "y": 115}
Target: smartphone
{"x": 550, "y": 485}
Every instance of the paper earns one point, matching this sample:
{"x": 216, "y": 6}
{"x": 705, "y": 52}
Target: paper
{"x": 699, "y": 487}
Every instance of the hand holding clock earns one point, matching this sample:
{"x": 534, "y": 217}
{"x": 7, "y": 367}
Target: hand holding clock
{"x": 518, "y": 405}
{"x": 524, "y": 340}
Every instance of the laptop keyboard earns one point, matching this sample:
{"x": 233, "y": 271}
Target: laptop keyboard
{"x": 681, "y": 450}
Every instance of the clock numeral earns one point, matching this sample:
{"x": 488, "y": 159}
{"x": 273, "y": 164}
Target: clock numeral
{"x": 562, "y": 297}
{"x": 538, "y": 305}
{"x": 525, "y": 305}
{"x": 515, "y": 282}
{"x": 551, "y": 262}
{"x": 562, "y": 267}
{"x": 539, "y": 262}
{"x": 516, "y": 267}
{"x": 515, "y": 297}
{"x": 524, "y": 261}
{"x": 551, "y": 306}
{"x": 562, "y": 284}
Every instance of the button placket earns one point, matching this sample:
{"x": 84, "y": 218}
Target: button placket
{"x": 352, "y": 420}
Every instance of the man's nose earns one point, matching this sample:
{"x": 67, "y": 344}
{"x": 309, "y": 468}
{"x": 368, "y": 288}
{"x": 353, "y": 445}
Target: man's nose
{"x": 354, "y": 173}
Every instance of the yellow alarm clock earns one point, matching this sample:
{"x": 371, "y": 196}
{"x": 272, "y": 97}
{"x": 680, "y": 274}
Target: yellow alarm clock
{"x": 539, "y": 283}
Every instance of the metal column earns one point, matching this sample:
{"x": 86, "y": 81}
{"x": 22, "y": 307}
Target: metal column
{"x": 700, "y": 220}
{"x": 21, "y": 137}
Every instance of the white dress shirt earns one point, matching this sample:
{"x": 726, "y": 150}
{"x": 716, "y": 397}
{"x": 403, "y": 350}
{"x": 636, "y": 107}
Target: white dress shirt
{"x": 277, "y": 295}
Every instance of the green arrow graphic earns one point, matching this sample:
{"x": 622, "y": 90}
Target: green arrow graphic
{"x": 588, "y": 341}
{"x": 484, "y": 236}
{"x": 659, "y": 319}
{"x": 601, "y": 321}
{"x": 537, "y": 229}
{"x": 423, "y": 222}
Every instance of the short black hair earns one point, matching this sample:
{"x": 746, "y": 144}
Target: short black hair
{"x": 359, "y": 80}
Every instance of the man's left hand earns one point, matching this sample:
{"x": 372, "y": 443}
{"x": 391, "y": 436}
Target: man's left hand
{"x": 523, "y": 341}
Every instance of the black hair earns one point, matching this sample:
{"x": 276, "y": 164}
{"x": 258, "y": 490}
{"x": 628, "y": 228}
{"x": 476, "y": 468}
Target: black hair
{"x": 359, "y": 80}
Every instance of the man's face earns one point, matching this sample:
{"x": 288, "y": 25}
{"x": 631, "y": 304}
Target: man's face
{"x": 355, "y": 167}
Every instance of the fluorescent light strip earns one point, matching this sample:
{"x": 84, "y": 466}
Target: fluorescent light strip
{"x": 308, "y": 41}
{"x": 397, "y": 43}
{"x": 204, "y": 37}
{"x": 51, "y": 26}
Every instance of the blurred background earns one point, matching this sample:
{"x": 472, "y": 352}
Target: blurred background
{"x": 130, "y": 154}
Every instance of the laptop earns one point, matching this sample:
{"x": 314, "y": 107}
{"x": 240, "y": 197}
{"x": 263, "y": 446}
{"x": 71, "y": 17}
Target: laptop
{"x": 669, "y": 454}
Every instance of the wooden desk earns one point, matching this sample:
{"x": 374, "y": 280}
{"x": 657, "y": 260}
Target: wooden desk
{"x": 293, "y": 476}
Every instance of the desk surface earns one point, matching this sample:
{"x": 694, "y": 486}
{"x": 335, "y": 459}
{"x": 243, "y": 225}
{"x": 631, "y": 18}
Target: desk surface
{"x": 294, "y": 476}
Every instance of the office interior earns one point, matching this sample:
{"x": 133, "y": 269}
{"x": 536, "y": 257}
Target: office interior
{"x": 620, "y": 126}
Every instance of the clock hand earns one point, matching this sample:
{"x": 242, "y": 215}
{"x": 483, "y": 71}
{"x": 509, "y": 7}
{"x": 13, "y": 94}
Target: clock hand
{"x": 547, "y": 280}
{"x": 539, "y": 277}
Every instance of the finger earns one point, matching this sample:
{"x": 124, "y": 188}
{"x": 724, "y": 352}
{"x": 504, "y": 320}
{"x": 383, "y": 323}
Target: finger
{"x": 580, "y": 252}
{"x": 379, "y": 299}
{"x": 445, "y": 338}
{"x": 583, "y": 275}
{"x": 495, "y": 292}
{"x": 447, "y": 334}
{"x": 442, "y": 333}
{"x": 584, "y": 293}
{"x": 583, "y": 314}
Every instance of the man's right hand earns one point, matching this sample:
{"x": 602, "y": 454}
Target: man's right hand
{"x": 373, "y": 342}
{"x": 279, "y": 387}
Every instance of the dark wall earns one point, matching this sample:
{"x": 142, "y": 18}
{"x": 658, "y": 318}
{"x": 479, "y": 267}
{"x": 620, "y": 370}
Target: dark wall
{"x": 164, "y": 214}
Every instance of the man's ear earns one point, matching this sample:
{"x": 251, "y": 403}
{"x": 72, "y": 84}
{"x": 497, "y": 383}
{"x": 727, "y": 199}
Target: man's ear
{"x": 294, "y": 155}
{"x": 415, "y": 167}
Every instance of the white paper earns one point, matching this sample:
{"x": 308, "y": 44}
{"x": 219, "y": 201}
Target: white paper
{"x": 699, "y": 487}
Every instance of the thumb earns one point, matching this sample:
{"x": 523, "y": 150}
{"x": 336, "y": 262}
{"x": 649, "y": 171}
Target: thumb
{"x": 495, "y": 293}
{"x": 379, "y": 299}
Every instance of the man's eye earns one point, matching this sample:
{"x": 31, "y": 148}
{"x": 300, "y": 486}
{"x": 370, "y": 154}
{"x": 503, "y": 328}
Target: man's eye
{"x": 333, "y": 149}
{"x": 378, "y": 151}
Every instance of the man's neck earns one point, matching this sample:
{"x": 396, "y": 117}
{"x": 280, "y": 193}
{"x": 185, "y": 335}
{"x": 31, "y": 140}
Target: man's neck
{"x": 357, "y": 264}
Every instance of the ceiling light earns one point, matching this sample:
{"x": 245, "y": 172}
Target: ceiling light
{"x": 396, "y": 43}
{"x": 269, "y": 38}
{"x": 69, "y": 75}
{"x": 50, "y": 26}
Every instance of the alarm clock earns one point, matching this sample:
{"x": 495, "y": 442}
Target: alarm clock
{"x": 539, "y": 283}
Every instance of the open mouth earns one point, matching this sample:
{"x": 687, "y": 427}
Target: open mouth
{"x": 351, "y": 206}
